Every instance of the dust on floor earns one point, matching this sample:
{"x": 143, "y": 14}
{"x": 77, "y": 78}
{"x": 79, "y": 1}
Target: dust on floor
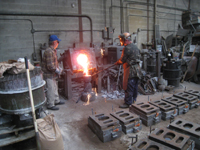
{"x": 72, "y": 119}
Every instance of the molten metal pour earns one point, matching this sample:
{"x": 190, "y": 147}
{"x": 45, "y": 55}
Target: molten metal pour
{"x": 87, "y": 95}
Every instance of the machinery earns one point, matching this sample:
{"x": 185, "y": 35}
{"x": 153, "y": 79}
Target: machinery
{"x": 16, "y": 122}
{"x": 78, "y": 63}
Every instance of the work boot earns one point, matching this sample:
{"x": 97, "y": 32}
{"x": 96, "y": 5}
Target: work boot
{"x": 60, "y": 103}
{"x": 53, "y": 108}
{"x": 124, "y": 106}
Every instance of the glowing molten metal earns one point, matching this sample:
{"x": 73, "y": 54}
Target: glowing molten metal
{"x": 83, "y": 61}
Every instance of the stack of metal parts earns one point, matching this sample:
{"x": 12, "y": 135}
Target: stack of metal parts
{"x": 172, "y": 139}
{"x": 130, "y": 122}
{"x": 148, "y": 113}
{"x": 193, "y": 92}
{"x": 180, "y": 104}
{"x": 189, "y": 128}
{"x": 168, "y": 110}
{"x": 106, "y": 127}
{"x": 191, "y": 99}
{"x": 165, "y": 139}
{"x": 147, "y": 144}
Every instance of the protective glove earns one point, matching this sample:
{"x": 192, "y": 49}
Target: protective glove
{"x": 61, "y": 70}
{"x": 117, "y": 63}
{"x": 58, "y": 71}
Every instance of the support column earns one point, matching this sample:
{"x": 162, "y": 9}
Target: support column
{"x": 68, "y": 84}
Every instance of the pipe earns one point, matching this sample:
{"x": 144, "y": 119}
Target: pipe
{"x": 66, "y": 30}
{"x": 144, "y": 10}
{"x": 35, "y": 31}
{"x": 80, "y": 22}
{"x": 121, "y": 16}
{"x": 150, "y": 4}
{"x": 104, "y": 13}
{"x": 147, "y": 20}
{"x": 103, "y": 70}
{"x": 110, "y": 14}
{"x": 189, "y": 3}
{"x": 153, "y": 17}
{"x": 158, "y": 55}
{"x": 126, "y": 19}
{"x": 159, "y": 30}
{"x": 53, "y": 15}
{"x": 139, "y": 3}
{"x": 155, "y": 21}
{"x": 32, "y": 31}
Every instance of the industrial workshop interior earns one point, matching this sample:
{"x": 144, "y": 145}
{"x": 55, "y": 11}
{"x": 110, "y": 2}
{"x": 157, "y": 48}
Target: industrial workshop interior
{"x": 99, "y": 75}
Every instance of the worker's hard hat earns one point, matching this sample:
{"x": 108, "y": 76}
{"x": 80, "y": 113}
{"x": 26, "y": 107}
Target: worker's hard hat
{"x": 54, "y": 38}
{"x": 126, "y": 34}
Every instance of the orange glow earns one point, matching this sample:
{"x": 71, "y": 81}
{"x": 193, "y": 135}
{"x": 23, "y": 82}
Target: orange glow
{"x": 157, "y": 114}
{"x": 102, "y": 52}
{"x": 137, "y": 125}
{"x": 116, "y": 130}
{"x": 83, "y": 61}
{"x": 95, "y": 91}
{"x": 88, "y": 101}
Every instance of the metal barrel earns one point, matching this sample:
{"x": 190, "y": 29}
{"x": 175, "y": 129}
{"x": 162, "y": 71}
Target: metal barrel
{"x": 14, "y": 92}
{"x": 172, "y": 72}
{"x": 151, "y": 62}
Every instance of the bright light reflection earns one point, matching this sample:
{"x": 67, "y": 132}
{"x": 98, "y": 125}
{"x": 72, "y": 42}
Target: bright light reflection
{"x": 83, "y": 61}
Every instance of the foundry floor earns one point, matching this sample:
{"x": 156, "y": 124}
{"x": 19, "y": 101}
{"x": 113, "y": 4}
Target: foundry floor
{"x": 72, "y": 119}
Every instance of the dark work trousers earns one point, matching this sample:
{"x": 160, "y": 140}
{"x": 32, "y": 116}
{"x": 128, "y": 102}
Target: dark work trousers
{"x": 131, "y": 91}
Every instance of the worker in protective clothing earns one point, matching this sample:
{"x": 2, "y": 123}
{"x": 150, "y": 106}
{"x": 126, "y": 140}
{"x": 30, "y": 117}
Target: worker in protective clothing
{"x": 52, "y": 71}
{"x": 130, "y": 60}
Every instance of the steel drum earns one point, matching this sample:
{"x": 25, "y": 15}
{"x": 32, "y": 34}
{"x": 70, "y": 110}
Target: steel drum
{"x": 14, "y": 92}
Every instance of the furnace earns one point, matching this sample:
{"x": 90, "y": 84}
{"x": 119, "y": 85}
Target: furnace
{"x": 79, "y": 63}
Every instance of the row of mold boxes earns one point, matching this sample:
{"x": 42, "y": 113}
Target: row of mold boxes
{"x": 167, "y": 108}
{"x": 110, "y": 126}
{"x": 179, "y": 134}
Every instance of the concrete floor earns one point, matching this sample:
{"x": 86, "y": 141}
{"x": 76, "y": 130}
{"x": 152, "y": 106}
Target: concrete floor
{"x": 72, "y": 119}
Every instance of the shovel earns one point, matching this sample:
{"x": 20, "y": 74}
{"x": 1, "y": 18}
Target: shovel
{"x": 32, "y": 105}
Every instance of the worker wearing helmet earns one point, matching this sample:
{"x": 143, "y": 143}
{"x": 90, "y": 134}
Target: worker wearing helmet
{"x": 130, "y": 60}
